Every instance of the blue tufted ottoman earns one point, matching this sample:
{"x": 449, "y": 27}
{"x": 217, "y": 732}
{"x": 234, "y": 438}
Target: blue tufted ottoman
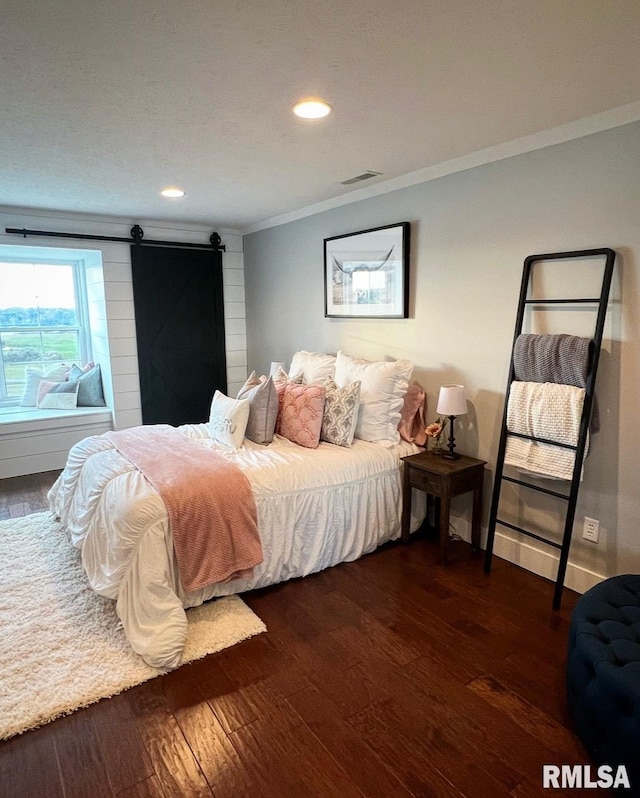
{"x": 603, "y": 673}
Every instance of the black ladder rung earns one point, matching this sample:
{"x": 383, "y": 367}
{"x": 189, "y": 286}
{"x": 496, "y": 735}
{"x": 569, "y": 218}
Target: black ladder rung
{"x": 568, "y": 301}
{"x": 536, "y": 487}
{"x": 529, "y": 534}
{"x": 542, "y": 440}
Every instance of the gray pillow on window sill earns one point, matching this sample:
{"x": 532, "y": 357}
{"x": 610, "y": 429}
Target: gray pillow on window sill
{"x": 90, "y": 393}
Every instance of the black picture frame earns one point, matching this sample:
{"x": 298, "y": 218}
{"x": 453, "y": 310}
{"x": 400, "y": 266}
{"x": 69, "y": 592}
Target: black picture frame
{"x": 366, "y": 274}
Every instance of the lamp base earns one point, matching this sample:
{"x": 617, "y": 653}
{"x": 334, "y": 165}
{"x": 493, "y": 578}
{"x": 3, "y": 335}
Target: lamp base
{"x": 451, "y": 455}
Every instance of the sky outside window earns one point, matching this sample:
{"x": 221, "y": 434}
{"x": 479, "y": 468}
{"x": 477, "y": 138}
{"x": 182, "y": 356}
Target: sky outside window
{"x": 36, "y": 285}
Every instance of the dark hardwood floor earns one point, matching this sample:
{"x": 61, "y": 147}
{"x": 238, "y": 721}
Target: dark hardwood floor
{"x": 389, "y": 677}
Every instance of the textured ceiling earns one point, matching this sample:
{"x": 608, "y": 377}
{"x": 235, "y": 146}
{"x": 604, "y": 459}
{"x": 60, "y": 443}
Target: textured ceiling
{"x": 104, "y": 102}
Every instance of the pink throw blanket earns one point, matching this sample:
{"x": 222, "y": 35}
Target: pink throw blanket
{"x": 209, "y": 502}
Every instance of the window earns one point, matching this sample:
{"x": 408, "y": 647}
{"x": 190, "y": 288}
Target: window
{"x": 43, "y": 317}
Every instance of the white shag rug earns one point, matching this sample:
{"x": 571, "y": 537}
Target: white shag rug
{"x": 61, "y": 646}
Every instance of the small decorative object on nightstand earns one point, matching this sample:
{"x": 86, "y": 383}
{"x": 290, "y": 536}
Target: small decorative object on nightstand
{"x": 435, "y": 431}
{"x": 443, "y": 479}
{"x": 451, "y": 403}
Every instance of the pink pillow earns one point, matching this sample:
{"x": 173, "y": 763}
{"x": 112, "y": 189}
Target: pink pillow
{"x": 302, "y": 410}
{"x": 411, "y": 426}
{"x": 280, "y": 382}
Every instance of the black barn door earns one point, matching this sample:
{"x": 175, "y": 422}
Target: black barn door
{"x": 180, "y": 330}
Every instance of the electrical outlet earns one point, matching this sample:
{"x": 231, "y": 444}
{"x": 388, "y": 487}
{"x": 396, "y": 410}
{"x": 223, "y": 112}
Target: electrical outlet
{"x": 591, "y": 529}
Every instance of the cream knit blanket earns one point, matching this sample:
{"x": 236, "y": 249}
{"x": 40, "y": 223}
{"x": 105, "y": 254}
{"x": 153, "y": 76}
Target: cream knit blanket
{"x": 544, "y": 410}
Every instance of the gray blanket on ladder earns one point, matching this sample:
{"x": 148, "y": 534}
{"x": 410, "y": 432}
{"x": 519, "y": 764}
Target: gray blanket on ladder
{"x": 564, "y": 359}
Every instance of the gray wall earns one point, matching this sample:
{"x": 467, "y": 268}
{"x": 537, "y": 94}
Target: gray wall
{"x": 470, "y": 234}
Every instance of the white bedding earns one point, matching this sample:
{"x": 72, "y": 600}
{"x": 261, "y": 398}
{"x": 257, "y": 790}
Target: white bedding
{"x": 316, "y": 508}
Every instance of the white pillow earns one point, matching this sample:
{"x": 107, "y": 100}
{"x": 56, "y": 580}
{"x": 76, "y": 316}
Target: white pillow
{"x": 228, "y": 419}
{"x": 315, "y": 368}
{"x": 382, "y": 389}
{"x": 33, "y": 376}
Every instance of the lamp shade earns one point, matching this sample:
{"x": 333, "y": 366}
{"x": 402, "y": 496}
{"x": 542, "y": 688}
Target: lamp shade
{"x": 451, "y": 401}
{"x": 275, "y": 365}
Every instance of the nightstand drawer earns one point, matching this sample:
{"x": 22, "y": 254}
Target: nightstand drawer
{"x": 429, "y": 483}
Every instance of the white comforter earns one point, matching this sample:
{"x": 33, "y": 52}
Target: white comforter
{"x": 315, "y": 508}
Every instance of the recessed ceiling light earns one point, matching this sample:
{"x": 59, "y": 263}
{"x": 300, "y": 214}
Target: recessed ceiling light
{"x": 172, "y": 191}
{"x": 312, "y": 109}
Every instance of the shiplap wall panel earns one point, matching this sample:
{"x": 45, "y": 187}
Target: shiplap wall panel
{"x": 117, "y": 311}
{"x": 234, "y": 310}
{"x": 112, "y": 317}
{"x": 129, "y": 418}
{"x": 124, "y": 365}
{"x": 126, "y": 383}
{"x": 26, "y": 450}
{"x": 128, "y": 400}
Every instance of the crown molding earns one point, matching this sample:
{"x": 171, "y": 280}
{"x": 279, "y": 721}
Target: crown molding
{"x": 615, "y": 117}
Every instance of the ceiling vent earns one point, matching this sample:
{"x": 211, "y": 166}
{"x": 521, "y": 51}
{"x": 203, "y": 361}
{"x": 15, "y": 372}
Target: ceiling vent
{"x": 358, "y": 178}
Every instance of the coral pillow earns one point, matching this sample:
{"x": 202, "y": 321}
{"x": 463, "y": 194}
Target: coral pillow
{"x": 281, "y": 380}
{"x": 411, "y": 426}
{"x": 302, "y": 411}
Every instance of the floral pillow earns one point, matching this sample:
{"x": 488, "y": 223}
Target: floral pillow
{"x": 340, "y": 413}
{"x": 302, "y": 411}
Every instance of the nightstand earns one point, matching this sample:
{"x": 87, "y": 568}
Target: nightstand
{"x": 443, "y": 479}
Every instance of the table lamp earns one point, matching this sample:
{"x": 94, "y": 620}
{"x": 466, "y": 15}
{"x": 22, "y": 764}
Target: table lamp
{"x": 451, "y": 403}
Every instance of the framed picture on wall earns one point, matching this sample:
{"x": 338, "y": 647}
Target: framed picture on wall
{"x": 366, "y": 274}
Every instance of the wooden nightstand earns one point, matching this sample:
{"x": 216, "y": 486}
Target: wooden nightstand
{"x": 444, "y": 479}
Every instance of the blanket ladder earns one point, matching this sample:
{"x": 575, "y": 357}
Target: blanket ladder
{"x": 598, "y": 303}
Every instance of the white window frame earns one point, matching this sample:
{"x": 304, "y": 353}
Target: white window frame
{"x": 54, "y": 258}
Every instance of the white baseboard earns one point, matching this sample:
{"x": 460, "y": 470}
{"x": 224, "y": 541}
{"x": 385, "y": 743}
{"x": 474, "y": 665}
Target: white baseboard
{"x": 544, "y": 563}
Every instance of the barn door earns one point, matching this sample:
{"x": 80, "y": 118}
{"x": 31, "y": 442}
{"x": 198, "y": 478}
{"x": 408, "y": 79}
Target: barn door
{"x": 179, "y": 315}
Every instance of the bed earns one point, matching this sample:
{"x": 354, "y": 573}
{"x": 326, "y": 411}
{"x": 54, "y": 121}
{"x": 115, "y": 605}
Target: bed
{"x": 316, "y": 508}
